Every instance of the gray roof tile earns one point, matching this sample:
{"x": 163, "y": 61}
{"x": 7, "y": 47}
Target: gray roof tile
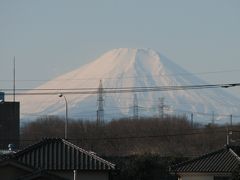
{"x": 222, "y": 161}
{"x": 59, "y": 154}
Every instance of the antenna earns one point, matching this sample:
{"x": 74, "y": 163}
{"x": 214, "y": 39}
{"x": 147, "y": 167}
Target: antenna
{"x": 14, "y": 80}
{"x": 135, "y": 107}
{"x": 100, "y": 110}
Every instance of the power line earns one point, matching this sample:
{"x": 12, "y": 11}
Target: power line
{"x": 138, "y": 137}
{"x": 120, "y": 90}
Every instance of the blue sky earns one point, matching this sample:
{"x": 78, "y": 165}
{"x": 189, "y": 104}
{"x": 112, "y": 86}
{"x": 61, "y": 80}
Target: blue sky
{"x": 51, "y": 37}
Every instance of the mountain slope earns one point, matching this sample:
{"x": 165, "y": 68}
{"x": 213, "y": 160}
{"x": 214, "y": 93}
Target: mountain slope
{"x": 129, "y": 68}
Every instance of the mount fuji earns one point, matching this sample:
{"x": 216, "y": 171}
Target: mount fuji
{"x": 125, "y": 67}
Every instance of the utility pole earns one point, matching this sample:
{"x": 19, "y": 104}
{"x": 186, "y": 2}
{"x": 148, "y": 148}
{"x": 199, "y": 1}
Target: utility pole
{"x": 231, "y": 120}
{"x": 100, "y": 100}
{"x": 14, "y": 80}
{"x": 66, "y": 116}
{"x": 135, "y": 107}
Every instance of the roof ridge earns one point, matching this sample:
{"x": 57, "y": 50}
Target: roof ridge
{"x": 235, "y": 155}
{"x": 27, "y": 148}
{"x": 88, "y": 153}
{"x": 222, "y": 160}
{"x": 39, "y": 143}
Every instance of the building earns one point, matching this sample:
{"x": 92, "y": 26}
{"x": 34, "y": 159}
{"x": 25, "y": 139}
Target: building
{"x": 55, "y": 159}
{"x": 9, "y": 123}
{"x": 217, "y": 165}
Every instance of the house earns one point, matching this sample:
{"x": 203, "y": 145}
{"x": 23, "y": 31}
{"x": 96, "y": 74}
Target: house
{"x": 57, "y": 159}
{"x": 217, "y": 165}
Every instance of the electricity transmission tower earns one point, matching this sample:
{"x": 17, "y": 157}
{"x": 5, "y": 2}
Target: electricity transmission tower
{"x": 161, "y": 107}
{"x": 100, "y": 100}
{"x": 135, "y": 107}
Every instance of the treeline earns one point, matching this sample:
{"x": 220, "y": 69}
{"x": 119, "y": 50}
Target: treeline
{"x": 171, "y": 136}
{"x": 144, "y": 167}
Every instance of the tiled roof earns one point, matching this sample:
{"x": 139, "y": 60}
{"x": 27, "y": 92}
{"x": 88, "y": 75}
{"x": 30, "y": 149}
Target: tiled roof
{"x": 225, "y": 160}
{"x": 59, "y": 154}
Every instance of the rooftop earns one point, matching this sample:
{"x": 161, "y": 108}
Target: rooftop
{"x": 59, "y": 154}
{"x": 225, "y": 160}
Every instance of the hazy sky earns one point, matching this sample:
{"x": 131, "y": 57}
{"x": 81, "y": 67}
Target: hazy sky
{"x": 51, "y": 37}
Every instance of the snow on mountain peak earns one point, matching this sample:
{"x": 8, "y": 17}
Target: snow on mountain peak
{"x": 128, "y": 67}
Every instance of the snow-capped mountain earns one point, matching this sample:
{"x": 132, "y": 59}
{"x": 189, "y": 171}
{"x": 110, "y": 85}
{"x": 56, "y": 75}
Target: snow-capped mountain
{"x": 125, "y": 67}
